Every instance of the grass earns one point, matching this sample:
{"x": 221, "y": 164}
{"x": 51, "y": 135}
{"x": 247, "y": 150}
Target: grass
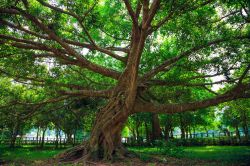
{"x": 27, "y": 153}
{"x": 220, "y": 154}
{"x": 225, "y": 154}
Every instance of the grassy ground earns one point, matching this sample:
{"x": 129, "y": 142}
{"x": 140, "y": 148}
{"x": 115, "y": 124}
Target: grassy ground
{"x": 207, "y": 155}
{"x": 26, "y": 154}
{"x": 222, "y": 154}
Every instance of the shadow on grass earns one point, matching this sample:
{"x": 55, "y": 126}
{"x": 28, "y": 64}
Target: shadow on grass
{"x": 27, "y": 154}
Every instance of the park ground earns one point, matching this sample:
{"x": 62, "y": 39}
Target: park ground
{"x": 151, "y": 156}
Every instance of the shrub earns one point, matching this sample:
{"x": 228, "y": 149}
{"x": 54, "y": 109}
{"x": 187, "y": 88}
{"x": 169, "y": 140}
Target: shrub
{"x": 168, "y": 148}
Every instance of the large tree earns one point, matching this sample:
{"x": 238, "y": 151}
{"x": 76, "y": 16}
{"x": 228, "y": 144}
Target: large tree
{"x": 126, "y": 51}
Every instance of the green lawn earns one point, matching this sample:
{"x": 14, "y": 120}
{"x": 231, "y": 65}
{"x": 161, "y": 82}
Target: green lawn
{"x": 222, "y": 154}
{"x": 226, "y": 154}
{"x": 27, "y": 153}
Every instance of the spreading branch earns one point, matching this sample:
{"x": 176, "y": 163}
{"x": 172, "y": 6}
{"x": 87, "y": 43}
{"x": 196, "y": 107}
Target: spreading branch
{"x": 240, "y": 91}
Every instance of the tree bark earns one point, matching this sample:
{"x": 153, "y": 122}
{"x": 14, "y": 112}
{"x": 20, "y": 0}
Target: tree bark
{"x": 182, "y": 127}
{"x": 69, "y": 138}
{"x": 166, "y": 132}
{"x": 14, "y": 134}
{"x": 43, "y": 135}
{"x": 172, "y": 133}
{"x": 37, "y": 136}
{"x": 138, "y": 137}
{"x": 147, "y": 132}
{"x": 190, "y": 132}
{"x": 156, "y": 129}
{"x": 237, "y": 132}
{"x": 245, "y": 125}
{"x": 105, "y": 140}
{"x": 57, "y": 135}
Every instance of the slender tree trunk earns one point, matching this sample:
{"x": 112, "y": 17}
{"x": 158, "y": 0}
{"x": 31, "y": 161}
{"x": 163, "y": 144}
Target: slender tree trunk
{"x": 166, "y": 132}
{"x": 156, "y": 129}
{"x": 74, "y": 138}
{"x": 186, "y": 132}
{"x": 133, "y": 136}
{"x": 37, "y": 136}
{"x": 182, "y": 127}
{"x": 245, "y": 125}
{"x": 138, "y": 138}
{"x": 172, "y": 133}
{"x": 190, "y": 132}
{"x": 237, "y": 132}
{"x": 57, "y": 134}
{"x": 206, "y": 130}
{"x": 245, "y": 130}
{"x": 147, "y": 132}
{"x": 43, "y": 136}
{"x": 194, "y": 132}
{"x": 14, "y": 134}
{"x": 69, "y": 138}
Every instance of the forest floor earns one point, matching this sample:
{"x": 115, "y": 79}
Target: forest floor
{"x": 147, "y": 156}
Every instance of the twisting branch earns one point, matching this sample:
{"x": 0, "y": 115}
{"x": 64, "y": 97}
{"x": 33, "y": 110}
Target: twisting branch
{"x": 75, "y": 43}
{"x": 239, "y": 91}
{"x": 40, "y": 82}
{"x": 244, "y": 74}
{"x": 138, "y": 9}
{"x": 183, "y": 83}
{"x": 35, "y": 105}
{"x": 83, "y": 61}
{"x": 34, "y": 112}
{"x": 89, "y": 93}
{"x": 154, "y": 7}
{"x": 131, "y": 13}
{"x": 176, "y": 12}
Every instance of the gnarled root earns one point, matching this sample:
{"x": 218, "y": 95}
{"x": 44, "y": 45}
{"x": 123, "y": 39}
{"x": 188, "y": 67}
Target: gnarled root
{"x": 74, "y": 154}
{"x": 84, "y": 154}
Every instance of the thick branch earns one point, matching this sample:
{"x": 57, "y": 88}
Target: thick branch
{"x": 89, "y": 93}
{"x": 75, "y": 43}
{"x": 131, "y": 13}
{"x": 154, "y": 7}
{"x": 184, "y": 83}
{"x": 236, "y": 93}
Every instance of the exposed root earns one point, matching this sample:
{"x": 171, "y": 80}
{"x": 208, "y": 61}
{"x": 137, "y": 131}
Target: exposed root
{"x": 84, "y": 154}
{"x": 73, "y": 155}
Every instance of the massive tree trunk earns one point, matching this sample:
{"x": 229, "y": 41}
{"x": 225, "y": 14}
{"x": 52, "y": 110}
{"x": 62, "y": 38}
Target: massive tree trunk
{"x": 105, "y": 140}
